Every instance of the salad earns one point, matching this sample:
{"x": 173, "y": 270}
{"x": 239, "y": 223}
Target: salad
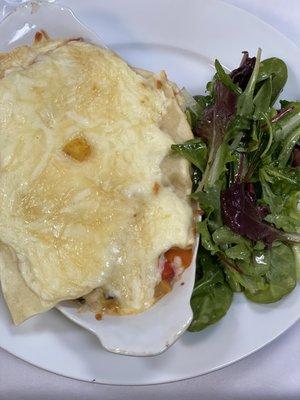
{"x": 246, "y": 181}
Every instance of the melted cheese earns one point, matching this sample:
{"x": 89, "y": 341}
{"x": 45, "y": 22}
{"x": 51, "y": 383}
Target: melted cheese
{"x": 79, "y": 222}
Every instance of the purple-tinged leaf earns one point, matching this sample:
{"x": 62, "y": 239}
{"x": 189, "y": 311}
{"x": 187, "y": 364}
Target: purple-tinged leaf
{"x": 282, "y": 113}
{"x": 296, "y": 156}
{"x": 242, "y": 74}
{"x": 241, "y": 214}
{"x": 216, "y": 117}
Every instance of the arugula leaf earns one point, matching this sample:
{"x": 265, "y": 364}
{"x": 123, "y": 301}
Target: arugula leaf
{"x": 204, "y": 101}
{"x": 226, "y": 79}
{"x": 209, "y": 201}
{"x": 287, "y": 147}
{"x": 195, "y": 107}
{"x": 196, "y": 175}
{"x": 205, "y": 237}
{"x": 288, "y": 124}
{"x": 211, "y": 296}
{"x": 195, "y": 151}
{"x": 281, "y": 192}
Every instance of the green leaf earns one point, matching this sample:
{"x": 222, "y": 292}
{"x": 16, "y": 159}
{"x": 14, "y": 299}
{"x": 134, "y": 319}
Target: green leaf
{"x": 280, "y": 279}
{"x": 280, "y": 191}
{"x": 238, "y": 252}
{"x": 209, "y": 201}
{"x": 285, "y": 103}
{"x": 192, "y": 117}
{"x": 212, "y": 296}
{"x": 245, "y": 104}
{"x": 276, "y": 70}
{"x": 292, "y": 206}
{"x": 194, "y": 109}
{"x": 204, "y": 101}
{"x": 288, "y": 124}
{"x": 287, "y": 147}
{"x": 216, "y": 167}
{"x": 225, "y": 78}
{"x": 196, "y": 178}
{"x": 224, "y": 235}
{"x": 233, "y": 283}
{"x": 262, "y": 99}
{"x": 284, "y": 222}
{"x": 195, "y": 151}
{"x": 206, "y": 239}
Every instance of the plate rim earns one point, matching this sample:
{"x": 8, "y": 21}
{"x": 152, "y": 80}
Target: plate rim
{"x": 218, "y": 368}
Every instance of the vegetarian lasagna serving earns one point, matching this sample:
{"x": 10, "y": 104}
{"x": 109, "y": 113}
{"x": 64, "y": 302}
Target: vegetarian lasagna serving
{"x": 93, "y": 204}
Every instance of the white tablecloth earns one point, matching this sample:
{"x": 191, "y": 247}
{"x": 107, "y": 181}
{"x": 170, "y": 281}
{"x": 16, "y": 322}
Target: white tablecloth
{"x": 272, "y": 373}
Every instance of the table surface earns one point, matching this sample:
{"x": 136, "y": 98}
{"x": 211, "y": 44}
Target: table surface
{"x": 272, "y": 373}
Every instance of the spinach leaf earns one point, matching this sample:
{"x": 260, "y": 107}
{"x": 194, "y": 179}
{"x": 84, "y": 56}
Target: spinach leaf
{"x": 281, "y": 277}
{"x": 276, "y": 70}
{"x": 262, "y": 99}
{"x": 212, "y": 296}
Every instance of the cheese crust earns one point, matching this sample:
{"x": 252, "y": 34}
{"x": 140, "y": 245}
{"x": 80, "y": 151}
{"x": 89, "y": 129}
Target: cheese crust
{"x": 90, "y": 195}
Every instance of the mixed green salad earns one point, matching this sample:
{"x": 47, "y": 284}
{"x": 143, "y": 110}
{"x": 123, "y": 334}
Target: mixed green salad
{"x": 246, "y": 180}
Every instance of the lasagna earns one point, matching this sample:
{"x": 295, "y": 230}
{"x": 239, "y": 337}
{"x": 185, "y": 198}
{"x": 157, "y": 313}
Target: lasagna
{"x": 93, "y": 203}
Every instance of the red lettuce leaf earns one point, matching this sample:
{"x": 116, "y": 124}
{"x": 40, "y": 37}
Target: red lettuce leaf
{"x": 213, "y": 125}
{"x": 215, "y": 119}
{"x": 244, "y": 217}
{"x": 296, "y": 156}
{"x": 242, "y": 74}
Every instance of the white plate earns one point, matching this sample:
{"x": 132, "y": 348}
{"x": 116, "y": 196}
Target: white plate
{"x": 182, "y": 36}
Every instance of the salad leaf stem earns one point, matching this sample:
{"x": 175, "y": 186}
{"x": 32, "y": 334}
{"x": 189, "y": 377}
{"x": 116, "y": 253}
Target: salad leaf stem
{"x": 245, "y": 104}
{"x": 270, "y": 130}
